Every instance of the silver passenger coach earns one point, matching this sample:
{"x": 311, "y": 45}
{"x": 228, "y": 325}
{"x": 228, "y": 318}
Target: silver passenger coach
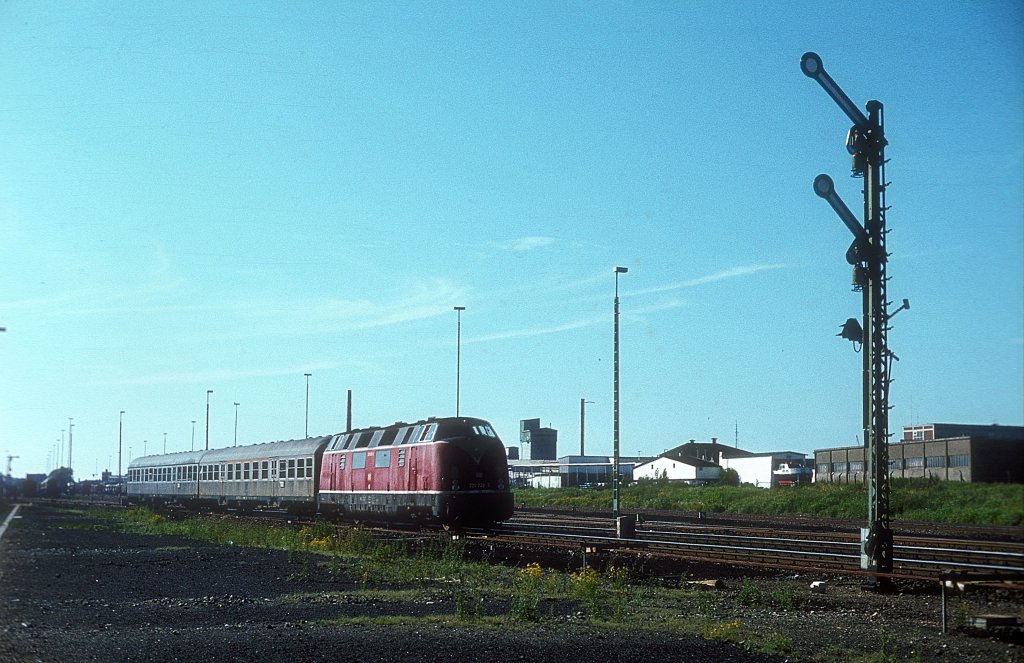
{"x": 276, "y": 474}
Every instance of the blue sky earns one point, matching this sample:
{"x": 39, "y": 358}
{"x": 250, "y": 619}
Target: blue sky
{"x": 225, "y": 196}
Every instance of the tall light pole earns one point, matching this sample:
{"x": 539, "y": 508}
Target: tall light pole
{"x": 193, "y": 435}
{"x": 70, "y": 434}
{"x": 458, "y": 355}
{"x": 615, "y": 407}
{"x": 236, "y": 424}
{"x": 308, "y": 375}
{"x": 583, "y": 403}
{"x": 120, "y": 437}
{"x": 165, "y": 442}
{"x": 208, "y": 392}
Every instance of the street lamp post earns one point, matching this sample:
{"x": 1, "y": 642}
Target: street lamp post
{"x": 583, "y": 403}
{"x": 193, "y": 435}
{"x": 458, "y": 355}
{"x": 120, "y": 437}
{"x": 615, "y": 407}
{"x": 208, "y": 392}
{"x": 236, "y": 424}
{"x": 308, "y": 375}
{"x": 70, "y": 435}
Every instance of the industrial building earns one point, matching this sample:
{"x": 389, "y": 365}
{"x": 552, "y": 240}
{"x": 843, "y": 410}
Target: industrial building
{"x": 953, "y": 452}
{"x": 542, "y": 442}
{"x": 702, "y": 462}
{"x": 570, "y": 471}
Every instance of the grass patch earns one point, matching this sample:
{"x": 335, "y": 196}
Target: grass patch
{"x": 925, "y": 500}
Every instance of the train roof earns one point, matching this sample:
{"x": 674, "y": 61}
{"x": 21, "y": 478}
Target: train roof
{"x": 162, "y": 460}
{"x": 304, "y": 447}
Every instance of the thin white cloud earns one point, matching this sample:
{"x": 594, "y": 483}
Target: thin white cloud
{"x": 535, "y": 331}
{"x": 570, "y": 326}
{"x": 227, "y": 375}
{"x": 731, "y": 273}
{"x": 529, "y": 243}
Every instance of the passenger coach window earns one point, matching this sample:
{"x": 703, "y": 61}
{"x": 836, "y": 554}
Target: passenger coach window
{"x": 266, "y": 470}
{"x": 291, "y": 469}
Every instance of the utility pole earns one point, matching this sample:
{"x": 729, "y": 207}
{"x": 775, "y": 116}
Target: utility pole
{"x": 70, "y": 434}
{"x": 615, "y": 406}
{"x": 120, "y": 436}
{"x": 583, "y": 408}
{"x": 208, "y": 392}
{"x": 866, "y": 144}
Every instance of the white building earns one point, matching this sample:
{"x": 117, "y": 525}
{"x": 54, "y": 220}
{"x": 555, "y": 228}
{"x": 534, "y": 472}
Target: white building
{"x": 757, "y": 469}
{"x": 688, "y": 470}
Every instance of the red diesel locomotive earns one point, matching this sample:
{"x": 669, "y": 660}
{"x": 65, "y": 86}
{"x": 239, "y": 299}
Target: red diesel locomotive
{"x": 448, "y": 471}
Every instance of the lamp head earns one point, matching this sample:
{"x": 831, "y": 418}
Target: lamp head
{"x": 852, "y": 331}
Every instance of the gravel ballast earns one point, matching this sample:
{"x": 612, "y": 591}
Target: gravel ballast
{"x": 71, "y": 588}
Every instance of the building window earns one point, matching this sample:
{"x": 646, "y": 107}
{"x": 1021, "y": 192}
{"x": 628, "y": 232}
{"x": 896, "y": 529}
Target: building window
{"x": 838, "y": 467}
{"x": 959, "y": 460}
{"x": 856, "y": 466}
{"x": 895, "y": 464}
{"x": 822, "y": 468}
{"x": 917, "y": 435}
{"x": 936, "y": 461}
{"x": 915, "y": 461}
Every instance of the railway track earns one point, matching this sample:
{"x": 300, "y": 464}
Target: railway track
{"x": 810, "y": 545}
{"x": 915, "y": 556}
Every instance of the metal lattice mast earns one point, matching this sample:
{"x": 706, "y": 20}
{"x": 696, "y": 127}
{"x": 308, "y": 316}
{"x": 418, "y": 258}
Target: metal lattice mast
{"x": 878, "y": 537}
{"x": 866, "y": 144}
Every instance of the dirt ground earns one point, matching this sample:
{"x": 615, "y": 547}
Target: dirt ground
{"x": 71, "y": 590}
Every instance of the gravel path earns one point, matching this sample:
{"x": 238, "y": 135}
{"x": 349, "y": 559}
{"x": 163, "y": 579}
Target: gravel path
{"x": 72, "y": 590}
